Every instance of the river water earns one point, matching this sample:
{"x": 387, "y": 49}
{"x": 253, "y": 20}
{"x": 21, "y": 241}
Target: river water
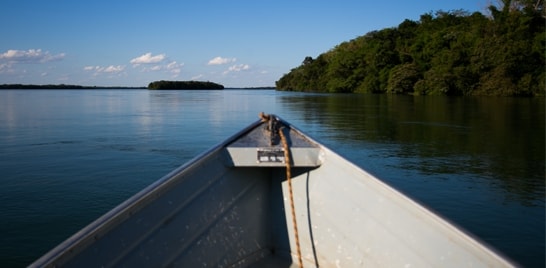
{"x": 69, "y": 156}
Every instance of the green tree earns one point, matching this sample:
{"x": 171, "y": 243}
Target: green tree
{"x": 402, "y": 78}
{"x": 451, "y": 53}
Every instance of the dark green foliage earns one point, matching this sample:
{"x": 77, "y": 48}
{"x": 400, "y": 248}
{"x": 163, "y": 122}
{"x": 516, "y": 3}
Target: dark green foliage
{"x": 445, "y": 53}
{"x": 402, "y": 78}
{"x": 184, "y": 85}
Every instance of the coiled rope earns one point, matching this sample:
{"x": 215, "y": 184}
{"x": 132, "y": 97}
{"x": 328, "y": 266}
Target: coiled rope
{"x": 266, "y": 118}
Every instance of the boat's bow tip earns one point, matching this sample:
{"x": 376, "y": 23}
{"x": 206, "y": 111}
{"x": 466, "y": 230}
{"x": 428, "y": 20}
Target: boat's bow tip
{"x": 263, "y": 145}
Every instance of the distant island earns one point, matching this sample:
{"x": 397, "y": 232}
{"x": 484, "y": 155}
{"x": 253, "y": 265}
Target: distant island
{"x": 61, "y": 86}
{"x": 188, "y": 85}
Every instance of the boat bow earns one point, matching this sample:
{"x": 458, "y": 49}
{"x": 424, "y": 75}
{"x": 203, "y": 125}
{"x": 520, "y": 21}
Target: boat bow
{"x": 262, "y": 146}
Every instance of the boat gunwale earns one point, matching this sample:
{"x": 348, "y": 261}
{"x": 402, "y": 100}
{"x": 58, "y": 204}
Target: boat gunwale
{"x": 142, "y": 195}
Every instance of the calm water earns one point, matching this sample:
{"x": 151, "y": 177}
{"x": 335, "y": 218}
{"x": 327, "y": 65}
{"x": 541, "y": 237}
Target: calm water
{"x": 68, "y": 156}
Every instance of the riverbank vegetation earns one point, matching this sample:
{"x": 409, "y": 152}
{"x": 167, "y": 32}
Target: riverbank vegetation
{"x": 184, "y": 85}
{"x": 445, "y": 53}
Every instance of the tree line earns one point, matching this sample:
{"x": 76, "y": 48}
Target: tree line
{"x": 184, "y": 85}
{"x": 445, "y": 53}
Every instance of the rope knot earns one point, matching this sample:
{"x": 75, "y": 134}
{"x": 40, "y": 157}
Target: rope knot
{"x": 273, "y": 127}
{"x": 264, "y": 117}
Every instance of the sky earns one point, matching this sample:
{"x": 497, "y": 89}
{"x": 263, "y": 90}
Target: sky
{"x": 237, "y": 43}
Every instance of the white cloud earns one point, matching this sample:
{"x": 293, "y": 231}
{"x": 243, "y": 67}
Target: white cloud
{"x": 175, "y": 68}
{"x": 240, "y": 67}
{"x": 172, "y": 67}
{"x": 220, "y": 60}
{"x": 109, "y": 69}
{"x": 237, "y": 68}
{"x": 114, "y": 69}
{"x": 4, "y": 67}
{"x": 147, "y": 59}
{"x": 196, "y": 77}
{"x": 29, "y": 56}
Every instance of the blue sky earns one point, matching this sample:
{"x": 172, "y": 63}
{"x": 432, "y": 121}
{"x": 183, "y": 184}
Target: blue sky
{"x": 236, "y": 43}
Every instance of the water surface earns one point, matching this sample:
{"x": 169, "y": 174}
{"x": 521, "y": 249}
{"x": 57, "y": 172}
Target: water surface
{"x": 68, "y": 156}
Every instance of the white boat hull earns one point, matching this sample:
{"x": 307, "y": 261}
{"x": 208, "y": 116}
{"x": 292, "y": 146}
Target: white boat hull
{"x": 229, "y": 207}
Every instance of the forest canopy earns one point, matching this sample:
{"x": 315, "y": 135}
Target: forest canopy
{"x": 184, "y": 85}
{"x": 445, "y": 53}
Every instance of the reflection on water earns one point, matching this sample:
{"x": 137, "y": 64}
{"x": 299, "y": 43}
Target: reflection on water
{"x": 501, "y": 136}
